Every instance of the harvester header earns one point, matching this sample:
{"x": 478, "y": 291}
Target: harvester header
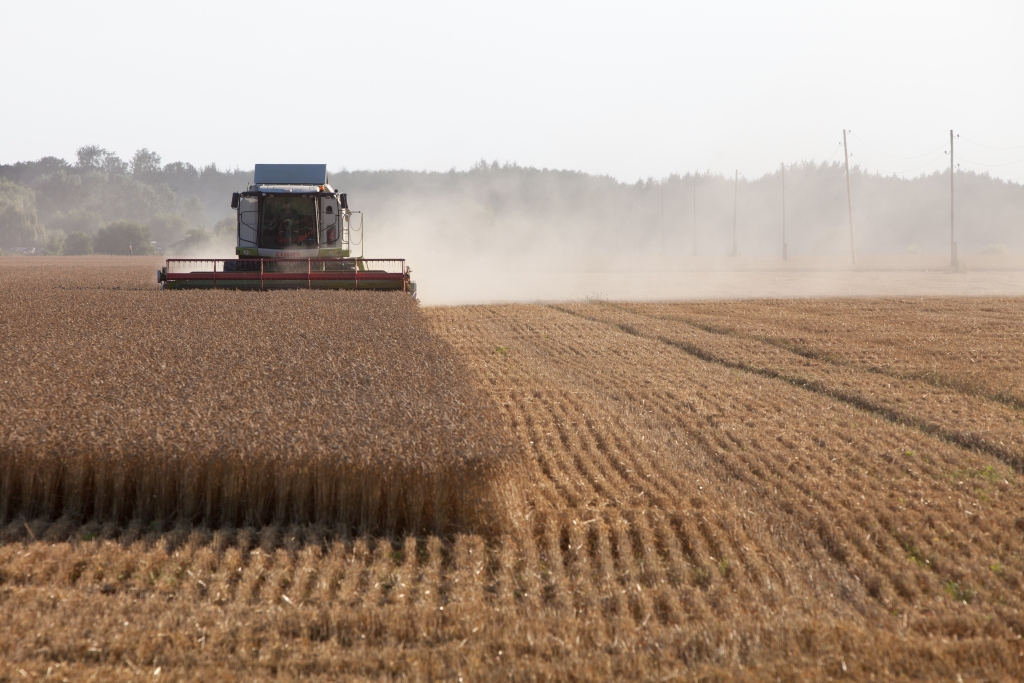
{"x": 293, "y": 231}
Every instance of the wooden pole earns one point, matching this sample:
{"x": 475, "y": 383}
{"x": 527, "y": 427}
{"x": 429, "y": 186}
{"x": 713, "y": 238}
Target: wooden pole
{"x": 636, "y": 225}
{"x": 735, "y": 206}
{"x": 952, "y": 243}
{"x": 849, "y": 200}
{"x": 663, "y": 217}
{"x": 695, "y": 213}
{"x": 785, "y": 254}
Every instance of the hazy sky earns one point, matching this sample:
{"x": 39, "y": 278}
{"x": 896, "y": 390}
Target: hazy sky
{"x": 631, "y": 89}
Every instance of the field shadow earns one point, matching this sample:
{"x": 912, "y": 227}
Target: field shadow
{"x": 173, "y": 535}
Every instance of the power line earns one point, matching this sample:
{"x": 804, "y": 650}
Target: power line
{"x": 991, "y": 146}
{"x": 978, "y": 163}
{"x": 852, "y": 134}
{"x": 839, "y": 146}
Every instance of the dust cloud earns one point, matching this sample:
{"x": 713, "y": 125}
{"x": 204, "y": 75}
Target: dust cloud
{"x": 506, "y": 233}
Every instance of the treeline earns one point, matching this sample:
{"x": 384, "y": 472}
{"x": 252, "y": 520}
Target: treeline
{"x": 105, "y": 204}
{"x": 508, "y": 212}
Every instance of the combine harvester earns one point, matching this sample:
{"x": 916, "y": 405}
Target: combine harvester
{"x": 294, "y": 232}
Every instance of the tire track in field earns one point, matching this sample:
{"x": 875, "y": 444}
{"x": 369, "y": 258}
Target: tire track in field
{"x": 972, "y": 340}
{"x": 975, "y": 438}
{"x": 814, "y": 376}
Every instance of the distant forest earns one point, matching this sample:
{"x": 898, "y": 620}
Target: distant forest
{"x": 44, "y": 202}
{"x": 509, "y": 212}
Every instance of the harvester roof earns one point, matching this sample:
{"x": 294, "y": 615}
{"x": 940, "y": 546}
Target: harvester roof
{"x": 290, "y": 174}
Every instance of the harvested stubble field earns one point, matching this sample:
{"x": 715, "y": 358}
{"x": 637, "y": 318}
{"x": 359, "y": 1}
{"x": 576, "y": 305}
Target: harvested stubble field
{"x": 729, "y": 491}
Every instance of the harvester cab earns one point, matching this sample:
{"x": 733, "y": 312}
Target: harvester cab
{"x": 293, "y": 231}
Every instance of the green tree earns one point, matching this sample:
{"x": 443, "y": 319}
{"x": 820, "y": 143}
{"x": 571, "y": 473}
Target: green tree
{"x": 113, "y": 165}
{"x": 54, "y": 245}
{"x": 76, "y": 221}
{"x": 77, "y": 244}
{"x": 145, "y": 164}
{"x": 123, "y": 237}
{"x": 91, "y": 156}
{"x": 19, "y": 224}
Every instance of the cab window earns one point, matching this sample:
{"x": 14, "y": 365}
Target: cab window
{"x": 288, "y": 221}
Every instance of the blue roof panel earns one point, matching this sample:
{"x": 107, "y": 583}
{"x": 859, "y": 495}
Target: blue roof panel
{"x": 290, "y": 174}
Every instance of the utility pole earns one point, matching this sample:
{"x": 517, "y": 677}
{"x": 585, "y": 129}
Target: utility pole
{"x": 785, "y": 250}
{"x": 663, "y": 217}
{"x": 849, "y": 200}
{"x": 694, "y": 213}
{"x": 636, "y": 224}
{"x": 735, "y": 206}
{"x": 952, "y": 244}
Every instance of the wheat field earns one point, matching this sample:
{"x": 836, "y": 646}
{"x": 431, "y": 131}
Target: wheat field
{"x": 123, "y": 402}
{"x": 795, "y": 490}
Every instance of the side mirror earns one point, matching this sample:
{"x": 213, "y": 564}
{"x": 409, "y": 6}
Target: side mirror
{"x": 343, "y": 200}
{"x": 234, "y": 200}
